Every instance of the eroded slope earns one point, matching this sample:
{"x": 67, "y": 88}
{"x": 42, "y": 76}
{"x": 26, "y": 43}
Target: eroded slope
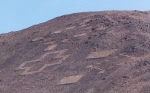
{"x": 95, "y": 52}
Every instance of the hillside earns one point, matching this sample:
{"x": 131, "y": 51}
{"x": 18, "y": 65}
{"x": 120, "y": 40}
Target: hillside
{"x": 91, "y": 52}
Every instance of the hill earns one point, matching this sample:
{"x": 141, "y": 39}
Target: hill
{"x": 91, "y": 52}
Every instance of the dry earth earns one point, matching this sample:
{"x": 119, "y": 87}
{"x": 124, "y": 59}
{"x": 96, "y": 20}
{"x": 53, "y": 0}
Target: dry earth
{"x": 92, "y": 52}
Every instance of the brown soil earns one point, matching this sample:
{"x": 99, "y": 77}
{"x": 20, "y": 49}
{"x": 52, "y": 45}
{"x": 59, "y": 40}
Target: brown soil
{"x": 92, "y": 52}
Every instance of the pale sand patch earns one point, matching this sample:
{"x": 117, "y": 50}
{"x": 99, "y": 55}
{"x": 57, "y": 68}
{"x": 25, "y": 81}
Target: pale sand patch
{"x": 56, "y": 32}
{"x": 70, "y": 79}
{"x": 37, "y": 39}
{"x": 51, "y": 47}
{"x": 79, "y": 35}
{"x": 99, "y": 54}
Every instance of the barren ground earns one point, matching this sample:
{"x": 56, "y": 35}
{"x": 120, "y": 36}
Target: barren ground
{"x": 93, "y": 52}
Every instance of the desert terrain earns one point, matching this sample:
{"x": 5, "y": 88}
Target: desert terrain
{"x": 88, "y": 52}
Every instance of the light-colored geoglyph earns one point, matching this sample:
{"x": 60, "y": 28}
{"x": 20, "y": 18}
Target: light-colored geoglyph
{"x": 96, "y": 67}
{"x": 69, "y": 28}
{"x": 37, "y": 39}
{"x": 65, "y": 40}
{"x": 100, "y": 28}
{"x": 56, "y": 32}
{"x": 49, "y": 43}
{"x": 79, "y": 35}
{"x": 99, "y": 54}
{"x": 51, "y": 47}
{"x": 84, "y": 22}
{"x": 66, "y": 29}
{"x": 89, "y": 27}
{"x": 70, "y": 79}
{"x": 137, "y": 58}
{"x": 91, "y": 90}
{"x": 59, "y": 55}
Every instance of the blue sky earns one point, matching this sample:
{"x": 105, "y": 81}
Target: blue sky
{"x": 19, "y": 14}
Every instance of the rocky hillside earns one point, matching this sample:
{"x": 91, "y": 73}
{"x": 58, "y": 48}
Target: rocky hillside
{"x": 93, "y": 52}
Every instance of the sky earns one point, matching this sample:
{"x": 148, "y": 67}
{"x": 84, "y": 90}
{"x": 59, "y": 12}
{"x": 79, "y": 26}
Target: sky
{"x": 19, "y": 14}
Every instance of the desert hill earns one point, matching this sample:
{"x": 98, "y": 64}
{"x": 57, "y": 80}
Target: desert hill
{"x": 90, "y": 52}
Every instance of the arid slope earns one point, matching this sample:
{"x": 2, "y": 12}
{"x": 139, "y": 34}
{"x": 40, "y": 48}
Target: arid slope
{"x": 93, "y": 52}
